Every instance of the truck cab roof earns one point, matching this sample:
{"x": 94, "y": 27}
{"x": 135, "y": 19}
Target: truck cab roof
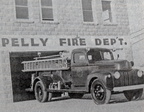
{"x": 90, "y": 48}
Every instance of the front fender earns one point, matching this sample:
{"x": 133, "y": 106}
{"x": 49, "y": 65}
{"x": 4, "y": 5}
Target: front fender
{"x": 102, "y": 76}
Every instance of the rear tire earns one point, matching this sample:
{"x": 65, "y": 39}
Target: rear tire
{"x": 40, "y": 94}
{"x": 100, "y": 94}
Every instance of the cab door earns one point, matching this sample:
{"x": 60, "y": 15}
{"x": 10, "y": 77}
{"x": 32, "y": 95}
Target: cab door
{"x": 79, "y": 69}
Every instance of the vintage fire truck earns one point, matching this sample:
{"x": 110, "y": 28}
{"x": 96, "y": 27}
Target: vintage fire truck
{"x": 82, "y": 71}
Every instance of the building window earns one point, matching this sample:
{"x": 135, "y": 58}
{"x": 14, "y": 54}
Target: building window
{"x": 21, "y": 9}
{"x": 108, "y": 14}
{"x": 87, "y": 10}
{"x": 106, "y": 11}
{"x": 47, "y": 10}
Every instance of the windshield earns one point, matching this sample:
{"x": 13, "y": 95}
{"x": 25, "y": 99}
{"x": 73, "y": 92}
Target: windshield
{"x": 98, "y": 55}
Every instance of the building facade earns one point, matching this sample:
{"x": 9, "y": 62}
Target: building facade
{"x": 29, "y": 26}
{"x": 136, "y": 20}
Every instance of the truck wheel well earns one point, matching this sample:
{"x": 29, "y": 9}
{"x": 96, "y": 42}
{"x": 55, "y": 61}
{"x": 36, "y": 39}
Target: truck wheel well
{"x": 90, "y": 83}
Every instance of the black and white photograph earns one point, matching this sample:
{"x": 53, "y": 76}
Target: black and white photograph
{"x": 71, "y": 55}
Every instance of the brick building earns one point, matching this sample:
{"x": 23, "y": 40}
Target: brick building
{"x": 136, "y": 20}
{"x": 28, "y": 26}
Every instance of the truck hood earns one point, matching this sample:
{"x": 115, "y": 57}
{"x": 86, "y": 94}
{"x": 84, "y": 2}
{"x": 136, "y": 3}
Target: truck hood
{"x": 113, "y": 64}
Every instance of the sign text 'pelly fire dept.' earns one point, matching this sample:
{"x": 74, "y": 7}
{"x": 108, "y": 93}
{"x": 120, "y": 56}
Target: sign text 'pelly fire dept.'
{"x": 36, "y": 42}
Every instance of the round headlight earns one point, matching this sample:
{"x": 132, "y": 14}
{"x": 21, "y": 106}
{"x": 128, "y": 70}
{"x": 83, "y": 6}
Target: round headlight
{"x": 109, "y": 75}
{"x": 117, "y": 75}
{"x": 139, "y": 73}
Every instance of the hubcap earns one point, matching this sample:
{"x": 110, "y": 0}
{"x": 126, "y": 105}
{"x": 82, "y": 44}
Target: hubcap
{"x": 99, "y": 92}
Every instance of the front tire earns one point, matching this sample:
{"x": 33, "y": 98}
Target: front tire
{"x": 40, "y": 94}
{"x": 100, "y": 94}
{"x": 133, "y": 94}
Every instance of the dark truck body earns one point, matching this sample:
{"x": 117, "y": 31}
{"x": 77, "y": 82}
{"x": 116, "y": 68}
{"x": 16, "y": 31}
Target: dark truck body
{"x": 89, "y": 70}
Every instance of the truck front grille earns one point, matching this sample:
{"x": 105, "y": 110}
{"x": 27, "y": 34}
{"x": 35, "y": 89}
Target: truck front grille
{"x": 128, "y": 78}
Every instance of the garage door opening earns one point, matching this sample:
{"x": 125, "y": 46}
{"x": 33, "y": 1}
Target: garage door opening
{"x": 21, "y": 80}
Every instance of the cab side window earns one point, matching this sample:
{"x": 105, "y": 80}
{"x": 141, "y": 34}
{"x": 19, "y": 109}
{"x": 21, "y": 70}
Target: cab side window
{"x": 94, "y": 56}
{"x": 79, "y": 58}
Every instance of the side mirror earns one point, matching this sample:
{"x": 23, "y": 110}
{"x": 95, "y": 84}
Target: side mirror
{"x": 132, "y": 63}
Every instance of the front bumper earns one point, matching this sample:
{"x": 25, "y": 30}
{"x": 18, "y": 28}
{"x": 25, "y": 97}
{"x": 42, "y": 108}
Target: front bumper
{"x": 125, "y": 88}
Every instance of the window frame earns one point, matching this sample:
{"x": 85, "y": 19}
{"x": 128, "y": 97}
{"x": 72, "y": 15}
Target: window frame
{"x": 94, "y": 13}
{"x": 87, "y": 10}
{"x": 113, "y": 13}
{"x": 55, "y": 16}
{"x": 97, "y": 13}
{"x": 22, "y": 6}
{"x": 51, "y": 7}
{"x": 30, "y": 14}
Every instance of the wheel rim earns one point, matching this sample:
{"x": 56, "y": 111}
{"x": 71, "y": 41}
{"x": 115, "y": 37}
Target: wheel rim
{"x": 39, "y": 93}
{"x": 99, "y": 92}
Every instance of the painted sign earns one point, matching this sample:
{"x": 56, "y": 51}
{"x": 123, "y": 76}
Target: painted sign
{"x": 46, "y": 42}
{"x": 97, "y": 41}
{"x": 15, "y": 42}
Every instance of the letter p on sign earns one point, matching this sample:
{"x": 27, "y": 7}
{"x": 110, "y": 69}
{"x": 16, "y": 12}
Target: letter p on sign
{"x": 5, "y": 41}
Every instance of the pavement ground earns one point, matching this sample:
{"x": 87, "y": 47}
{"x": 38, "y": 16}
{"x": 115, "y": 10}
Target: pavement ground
{"x": 118, "y": 103}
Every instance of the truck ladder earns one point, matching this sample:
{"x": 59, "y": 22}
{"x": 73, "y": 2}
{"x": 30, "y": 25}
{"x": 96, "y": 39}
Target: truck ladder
{"x": 45, "y": 65}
